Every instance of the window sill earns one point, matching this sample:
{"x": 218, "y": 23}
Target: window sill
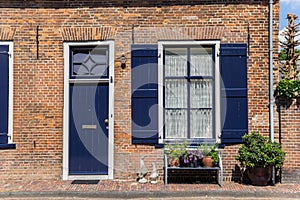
{"x": 8, "y": 146}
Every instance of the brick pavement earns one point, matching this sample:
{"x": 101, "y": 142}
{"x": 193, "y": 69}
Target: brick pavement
{"x": 124, "y": 189}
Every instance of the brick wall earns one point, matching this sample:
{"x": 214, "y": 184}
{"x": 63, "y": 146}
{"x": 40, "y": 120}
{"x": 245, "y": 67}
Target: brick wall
{"x": 289, "y": 121}
{"x": 38, "y": 83}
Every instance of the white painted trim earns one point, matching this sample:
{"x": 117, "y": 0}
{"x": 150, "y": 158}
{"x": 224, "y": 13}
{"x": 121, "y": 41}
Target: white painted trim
{"x": 160, "y": 94}
{"x": 66, "y": 115}
{"x": 10, "y": 89}
{"x": 111, "y": 110}
{"x": 216, "y": 44}
{"x": 217, "y": 93}
{"x": 66, "y": 175}
{"x": 89, "y": 80}
{"x": 88, "y": 177}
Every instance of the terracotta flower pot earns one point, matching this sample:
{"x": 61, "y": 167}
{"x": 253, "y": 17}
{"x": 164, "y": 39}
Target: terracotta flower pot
{"x": 174, "y": 162}
{"x": 260, "y": 175}
{"x": 207, "y": 161}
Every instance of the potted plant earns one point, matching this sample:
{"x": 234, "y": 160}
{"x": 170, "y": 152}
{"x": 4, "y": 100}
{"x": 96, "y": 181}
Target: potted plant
{"x": 210, "y": 155}
{"x": 174, "y": 151}
{"x": 258, "y": 154}
{"x": 191, "y": 158}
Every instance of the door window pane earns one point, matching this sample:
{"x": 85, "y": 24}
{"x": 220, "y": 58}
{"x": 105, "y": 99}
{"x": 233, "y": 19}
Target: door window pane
{"x": 89, "y": 62}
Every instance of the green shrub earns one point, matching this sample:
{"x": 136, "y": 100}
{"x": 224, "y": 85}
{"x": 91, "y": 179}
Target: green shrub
{"x": 288, "y": 88}
{"x": 258, "y": 150}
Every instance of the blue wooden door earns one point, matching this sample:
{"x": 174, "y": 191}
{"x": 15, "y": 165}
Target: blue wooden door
{"x": 88, "y": 129}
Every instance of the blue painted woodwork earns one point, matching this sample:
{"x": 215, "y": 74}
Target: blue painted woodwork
{"x": 234, "y": 100}
{"x": 144, "y": 90}
{"x": 4, "y": 88}
{"x": 88, "y": 135}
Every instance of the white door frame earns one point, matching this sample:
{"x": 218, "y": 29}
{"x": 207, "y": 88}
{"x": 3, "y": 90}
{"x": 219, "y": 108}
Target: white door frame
{"x": 110, "y": 80}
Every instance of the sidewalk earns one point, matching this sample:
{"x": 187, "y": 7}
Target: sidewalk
{"x": 122, "y": 189}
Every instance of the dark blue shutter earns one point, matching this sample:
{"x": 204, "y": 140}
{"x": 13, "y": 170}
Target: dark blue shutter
{"x": 144, "y": 90}
{"x": 4, "y": 93}
{"x": 234, "y": 101}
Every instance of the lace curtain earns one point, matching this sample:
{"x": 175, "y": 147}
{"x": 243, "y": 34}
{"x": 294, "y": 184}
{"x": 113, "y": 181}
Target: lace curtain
{"x": 200, "y": 95}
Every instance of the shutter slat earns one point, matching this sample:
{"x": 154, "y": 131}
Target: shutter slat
{"x": 234, "y": 97}
{"x": 144, "y": 104}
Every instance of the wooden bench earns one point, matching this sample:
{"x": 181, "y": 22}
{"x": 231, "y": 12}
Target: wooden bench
{"x": 219, "y": 169}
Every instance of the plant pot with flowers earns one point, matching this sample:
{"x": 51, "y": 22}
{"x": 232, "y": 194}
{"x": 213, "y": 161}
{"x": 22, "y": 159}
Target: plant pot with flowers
{"x": 191, "y": 158}
{"x": 258, "y": 155}
{"x": 174, "y": 151}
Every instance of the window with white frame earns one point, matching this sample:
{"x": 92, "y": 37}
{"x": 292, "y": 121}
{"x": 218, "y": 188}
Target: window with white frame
{"x": 188, "y": 95}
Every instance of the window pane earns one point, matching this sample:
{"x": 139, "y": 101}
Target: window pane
{"x": 89, "y": 61}
{"x": 99, "y": 70}
{"x": 201, "y": 93}
{"x": 201, "y": 62}
{"x": 99, "y": 56}
{"x": 201, "y": 123}
{"x": 176, "y": 123}
{"x": 176, "y": 62}
{"x": 80, "y": 70}
{"x": 175, "y": 93}
{"x": 79, "y": 56}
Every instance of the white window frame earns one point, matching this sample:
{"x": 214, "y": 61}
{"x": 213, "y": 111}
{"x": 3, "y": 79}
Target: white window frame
{"x": 10, "y": 89}
{"x": 67, "y": 81}
{"x": 217, "y": 116}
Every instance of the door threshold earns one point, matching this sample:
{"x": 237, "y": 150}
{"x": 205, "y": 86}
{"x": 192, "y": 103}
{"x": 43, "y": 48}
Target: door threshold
{"x": 87, "y": 182}
{"x": 87, "y": 177}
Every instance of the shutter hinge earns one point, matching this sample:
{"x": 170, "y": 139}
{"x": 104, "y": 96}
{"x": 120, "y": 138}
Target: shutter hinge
{"x": 111, "y": 79}
{"x": 218, "y": 53}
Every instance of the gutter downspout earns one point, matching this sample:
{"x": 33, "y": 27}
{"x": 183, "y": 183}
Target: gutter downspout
{"x": 271, "y": 97}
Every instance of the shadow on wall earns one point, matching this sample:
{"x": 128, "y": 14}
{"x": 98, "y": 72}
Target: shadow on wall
{"x": 118, "y": 3}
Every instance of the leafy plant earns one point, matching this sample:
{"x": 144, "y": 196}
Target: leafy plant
{"x": 258, "y": 150}
{"x": 207, "y": 150}
{"x": 204, "y": 149}
{"x": 214, "y": 153}
{"x": 288, "y": 88}
{"x": 175, "y": 150}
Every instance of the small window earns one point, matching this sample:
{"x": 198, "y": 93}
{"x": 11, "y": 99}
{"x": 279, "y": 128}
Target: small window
{"x": 89, "y": 62}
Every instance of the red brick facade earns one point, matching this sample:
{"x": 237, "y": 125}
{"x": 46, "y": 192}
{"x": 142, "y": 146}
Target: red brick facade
{"x": 39, "y": 83}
